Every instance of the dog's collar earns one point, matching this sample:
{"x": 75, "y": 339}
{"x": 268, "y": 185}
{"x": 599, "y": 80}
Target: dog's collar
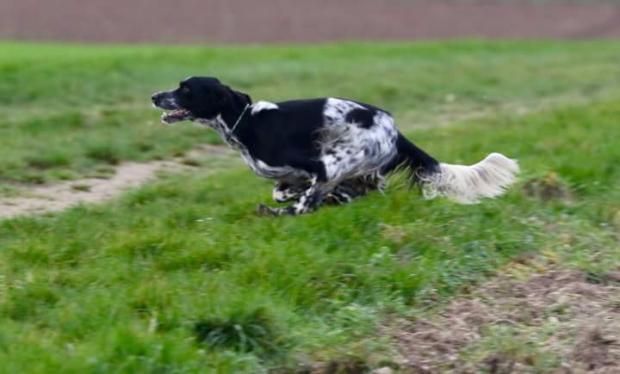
{"x": 231, "y": 133}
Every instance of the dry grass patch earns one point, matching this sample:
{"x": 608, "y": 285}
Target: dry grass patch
{"x": 555, "y": 320}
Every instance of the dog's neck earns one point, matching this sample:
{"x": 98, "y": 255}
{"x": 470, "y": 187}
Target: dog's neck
{"x": 225, "y": 122}
{"x": 233, "y": 112}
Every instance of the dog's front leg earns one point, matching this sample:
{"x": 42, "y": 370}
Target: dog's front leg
{"x": 309, "y": 200}
{"x": 284, "y": 191}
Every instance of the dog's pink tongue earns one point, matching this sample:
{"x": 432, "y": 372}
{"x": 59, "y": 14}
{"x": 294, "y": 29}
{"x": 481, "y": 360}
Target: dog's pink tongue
{"x": 173, "y": 116}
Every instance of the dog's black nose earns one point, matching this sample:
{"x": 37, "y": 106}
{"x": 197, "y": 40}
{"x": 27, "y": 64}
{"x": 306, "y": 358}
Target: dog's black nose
{"x": 155, "y": 98}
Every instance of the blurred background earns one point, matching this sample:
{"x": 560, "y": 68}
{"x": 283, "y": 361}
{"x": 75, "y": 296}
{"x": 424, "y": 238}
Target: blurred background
{"x": 283, "y": 21}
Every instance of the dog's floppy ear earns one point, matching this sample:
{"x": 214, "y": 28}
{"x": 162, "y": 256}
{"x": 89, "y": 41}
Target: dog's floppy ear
{"x": 239, "y": 97}
{"x": 223, "y": 95}
{"x": 226, "y": 96}
{"x": 244, "y": 98}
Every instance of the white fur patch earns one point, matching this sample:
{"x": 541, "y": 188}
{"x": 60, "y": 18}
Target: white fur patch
{"x": 272, "y": 172}
{"x": 349, "y": 150}
{"x": 336, "y": 110}
{"x": 280, "y": 195}
{"x": 263, "y": 105}
{"x": 468, "y": 184}
{"x": 216, "y": 124}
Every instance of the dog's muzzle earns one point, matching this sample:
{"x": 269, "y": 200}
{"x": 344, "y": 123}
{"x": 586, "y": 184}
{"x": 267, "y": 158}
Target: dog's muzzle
{"x": 173, "y": 113}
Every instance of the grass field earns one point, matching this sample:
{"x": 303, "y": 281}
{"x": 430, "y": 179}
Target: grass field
{"x": 73, "y": 111}
{"x": 181, "y": 276}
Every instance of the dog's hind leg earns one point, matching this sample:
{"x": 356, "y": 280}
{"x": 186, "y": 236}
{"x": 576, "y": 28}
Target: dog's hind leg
{"x": 354, "y": 188}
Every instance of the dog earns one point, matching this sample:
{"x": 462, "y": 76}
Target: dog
{"x": 325, "y": 150}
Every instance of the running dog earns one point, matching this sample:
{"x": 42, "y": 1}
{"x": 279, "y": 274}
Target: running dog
{"x": 325, "y": 150}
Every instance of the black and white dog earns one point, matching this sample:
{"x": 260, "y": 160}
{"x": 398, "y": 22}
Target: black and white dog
{"x": 326, "y": 150}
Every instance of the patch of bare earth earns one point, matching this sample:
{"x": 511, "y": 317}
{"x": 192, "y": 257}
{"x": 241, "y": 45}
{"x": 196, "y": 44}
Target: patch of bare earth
{"x": 560, "y": 321}
{"x": 127, "y": 175}
{"x": 225, "y": 21}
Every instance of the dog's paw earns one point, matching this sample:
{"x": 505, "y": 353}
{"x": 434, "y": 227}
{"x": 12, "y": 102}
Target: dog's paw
{"x": 264, "y": 210}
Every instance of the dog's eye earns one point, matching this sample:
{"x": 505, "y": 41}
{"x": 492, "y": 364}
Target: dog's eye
{"x": 185, "y": 90}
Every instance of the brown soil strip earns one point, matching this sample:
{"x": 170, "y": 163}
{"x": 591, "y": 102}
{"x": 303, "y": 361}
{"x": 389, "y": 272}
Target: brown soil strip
{"x": 57, "y": 197}
{"x": 244, "y": 21}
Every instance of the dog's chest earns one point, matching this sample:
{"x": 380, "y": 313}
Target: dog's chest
{"x": 258, "y": 166}
{"x": 272, "y": 172}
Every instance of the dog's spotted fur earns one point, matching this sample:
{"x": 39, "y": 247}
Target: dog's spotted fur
{"x": 328, "y": 150}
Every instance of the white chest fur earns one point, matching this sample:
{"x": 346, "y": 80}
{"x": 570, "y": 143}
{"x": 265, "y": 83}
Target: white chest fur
{"x": 272, "y": 172}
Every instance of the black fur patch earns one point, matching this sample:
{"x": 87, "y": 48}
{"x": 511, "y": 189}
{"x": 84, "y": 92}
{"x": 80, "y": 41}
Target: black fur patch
{"x": 363, "y": 117}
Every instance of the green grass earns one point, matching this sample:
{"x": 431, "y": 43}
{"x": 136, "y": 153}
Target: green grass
{"x": 73, "y": 144}
{"x": 182, "y": 276}
{"x": 68, "y": 110}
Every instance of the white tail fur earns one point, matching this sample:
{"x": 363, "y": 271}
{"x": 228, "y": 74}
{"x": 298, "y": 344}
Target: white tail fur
{"x": 468, "y": 184}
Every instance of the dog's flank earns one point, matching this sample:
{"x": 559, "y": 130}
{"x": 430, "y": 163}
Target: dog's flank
{"x": 352, "y": 149}
{"x": 326, "y": 150}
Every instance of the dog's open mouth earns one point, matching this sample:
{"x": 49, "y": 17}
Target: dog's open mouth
{"x": 175, "y": 115}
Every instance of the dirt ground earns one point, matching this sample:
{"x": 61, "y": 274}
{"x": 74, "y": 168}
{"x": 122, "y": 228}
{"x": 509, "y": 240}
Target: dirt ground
{"x": 507, "y": 325}
{"x": 245, "y": 21}
{"x": 60, "y": 196}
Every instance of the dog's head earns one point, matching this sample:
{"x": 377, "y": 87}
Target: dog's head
{"x": 198, "y": 98}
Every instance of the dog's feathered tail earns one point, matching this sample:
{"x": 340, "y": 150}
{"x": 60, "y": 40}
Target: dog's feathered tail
{"x": 488, "y": 178}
